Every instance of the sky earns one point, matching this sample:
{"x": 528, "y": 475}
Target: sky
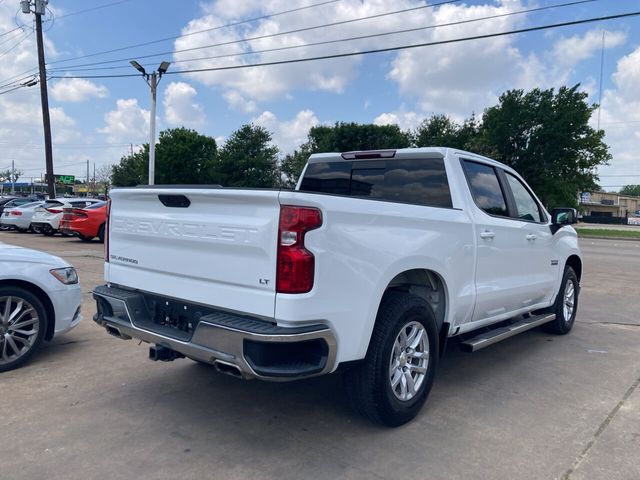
{"x": 102, "y": 119}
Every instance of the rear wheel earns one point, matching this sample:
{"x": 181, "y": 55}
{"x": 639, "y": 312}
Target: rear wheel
{"x": 101, "y": 233}
{"x": 49, "y": 232}
{"x": 23, "y": 323}
{"x": 393, "y": 382}
{"x": 84, "y": 238}
{"x": 566, "y": 305}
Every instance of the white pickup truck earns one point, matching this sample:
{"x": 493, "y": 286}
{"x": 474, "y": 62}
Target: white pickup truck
{"x": 371, "y": 264}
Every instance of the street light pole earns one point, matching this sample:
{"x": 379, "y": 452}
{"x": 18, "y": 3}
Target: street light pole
{"x": 153, "y": 83}
{"x": 152, "y": 80}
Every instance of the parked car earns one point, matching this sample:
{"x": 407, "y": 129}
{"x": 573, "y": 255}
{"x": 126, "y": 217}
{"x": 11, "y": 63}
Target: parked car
{"x": 371, "y": 265}
{"x": 15, "y": 202}
{"x": 39, "y": 297}
{"x": 47, "y": 217}
{"x": 19, "y": 218}
{"x": 87, "y": 223}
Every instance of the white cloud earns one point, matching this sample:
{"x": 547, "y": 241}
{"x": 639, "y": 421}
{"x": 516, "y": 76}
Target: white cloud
{"x": 238, "y": 102}
{"x": 127, "y": 123}
{"x": 620, "y": 118}
{"x": 288, "y": 135}
{"x": 77, "y": 90}
{"x": 180, "y": 107}
{"x": 405, "y": 120}
{"x": 576, "y": 48}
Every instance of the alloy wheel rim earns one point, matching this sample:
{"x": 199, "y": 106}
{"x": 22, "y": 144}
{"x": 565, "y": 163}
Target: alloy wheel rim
{"x": 19, "y": 326}
{"x": 409, "y": 361}
{"x": 569, "y": 300}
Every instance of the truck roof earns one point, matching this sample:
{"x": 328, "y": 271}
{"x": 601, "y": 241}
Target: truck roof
{"x": 401, "y": 154}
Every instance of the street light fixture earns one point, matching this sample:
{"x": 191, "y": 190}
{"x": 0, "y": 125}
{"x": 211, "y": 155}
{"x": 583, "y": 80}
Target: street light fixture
{"x": 152, "y": 80}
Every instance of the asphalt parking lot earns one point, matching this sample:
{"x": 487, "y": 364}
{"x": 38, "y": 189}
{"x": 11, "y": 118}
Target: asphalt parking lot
{"x": 537, "y": 406}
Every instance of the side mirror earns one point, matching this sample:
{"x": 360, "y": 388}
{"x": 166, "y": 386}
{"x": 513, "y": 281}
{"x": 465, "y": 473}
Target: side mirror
{"x": 563, "y": 216}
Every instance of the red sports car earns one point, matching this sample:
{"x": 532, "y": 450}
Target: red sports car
{"x": 87, "y": 223}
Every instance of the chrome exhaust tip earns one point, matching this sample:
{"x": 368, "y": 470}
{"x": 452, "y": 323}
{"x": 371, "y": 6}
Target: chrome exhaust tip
{"x": 116, "y": 333}
{"x": 228, "y": 368}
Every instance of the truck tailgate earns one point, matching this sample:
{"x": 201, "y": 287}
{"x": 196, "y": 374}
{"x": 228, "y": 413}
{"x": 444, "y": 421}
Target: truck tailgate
{"x": 211, "y": 246}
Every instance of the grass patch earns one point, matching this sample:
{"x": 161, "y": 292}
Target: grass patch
{"x": 597, "y": 232}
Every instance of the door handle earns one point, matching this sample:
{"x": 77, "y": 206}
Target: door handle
{"x": 487, "y": 234}
{"x": 531, "y": 237}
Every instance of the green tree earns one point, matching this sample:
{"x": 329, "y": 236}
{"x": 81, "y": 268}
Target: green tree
{"x": 441, "y": 131}
{"x": 344, "y": 137}
{"x": 545, "y": 135}
{"x": 132, "y": 169}
{"x": 247, "y": 159}
{"x": 184, "y": 156}
{"x": 633, "y": 190}
{"x": 293, "y": 164}
{"x": 8, "y": 175}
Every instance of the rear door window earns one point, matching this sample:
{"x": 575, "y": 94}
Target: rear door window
{"x": 414, "y": 181}
{"x": 485, "y": 188}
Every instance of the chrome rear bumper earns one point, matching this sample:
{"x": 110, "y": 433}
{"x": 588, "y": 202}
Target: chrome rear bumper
{"x": 257, "y": 348}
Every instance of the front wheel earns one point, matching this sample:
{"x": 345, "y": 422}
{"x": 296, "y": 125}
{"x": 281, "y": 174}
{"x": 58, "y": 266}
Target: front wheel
{"x": 23, "y": 323}
{"x": 566, "y": 305}
{"x": 394, "y": 380}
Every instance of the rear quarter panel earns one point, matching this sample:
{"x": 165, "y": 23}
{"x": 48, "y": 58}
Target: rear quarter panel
{"x": 361, "y": 246}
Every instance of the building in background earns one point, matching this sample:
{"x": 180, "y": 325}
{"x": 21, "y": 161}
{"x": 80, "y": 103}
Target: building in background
{"x": 603, "y": 207}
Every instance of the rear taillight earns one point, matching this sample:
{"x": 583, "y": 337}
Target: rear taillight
{"x": 295, "y": 264}
{"x": 53, "y": 210}
{"x": 106, "y": 232}
{"x": 15, "y": 213}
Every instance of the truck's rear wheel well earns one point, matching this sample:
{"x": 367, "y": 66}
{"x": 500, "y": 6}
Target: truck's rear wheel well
{"x": 574, "y": 262}
{"x": 43, "y": 297}
{"x": 430, "y": 286}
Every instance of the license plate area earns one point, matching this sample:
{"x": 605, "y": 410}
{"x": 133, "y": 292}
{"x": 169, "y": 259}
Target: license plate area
{"x": 170, "y": 317}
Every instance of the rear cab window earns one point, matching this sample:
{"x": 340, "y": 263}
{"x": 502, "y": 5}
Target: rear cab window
{"x": 413, "y": 181}
{"x": 485, "y": 188}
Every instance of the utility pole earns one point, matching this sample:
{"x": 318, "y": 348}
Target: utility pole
{"x": 13, "y": 177}
{"x": 87, "y": 183}
{"x": 152, "y": 79}
{"x": 39, "y": 8}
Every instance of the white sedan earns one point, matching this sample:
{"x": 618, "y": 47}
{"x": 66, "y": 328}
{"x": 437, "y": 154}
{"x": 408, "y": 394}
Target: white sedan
{"x": 19, "y": 217}
{"x": 39, "y": 297}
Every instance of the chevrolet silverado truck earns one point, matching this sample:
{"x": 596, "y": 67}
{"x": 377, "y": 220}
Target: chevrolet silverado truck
{"x": 369, "y": 265}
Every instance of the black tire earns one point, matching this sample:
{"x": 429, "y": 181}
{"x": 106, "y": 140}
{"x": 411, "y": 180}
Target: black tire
{"x": 84, "y": 238}
{"x": 9, "y": 357}
{"x": 369, "y": 385}
{"x": 101, "y": 233}
{"x": 563, "y": 325}
{"x": 49, "y": 232}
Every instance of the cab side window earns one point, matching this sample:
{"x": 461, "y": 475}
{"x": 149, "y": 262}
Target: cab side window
{"x": 526, "y": 206}
{"x": 485, "y": 188}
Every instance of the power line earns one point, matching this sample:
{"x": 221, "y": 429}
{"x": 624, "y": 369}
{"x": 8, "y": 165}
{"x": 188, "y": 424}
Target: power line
{"x": 12, "y": 48}
{"x": 378, "y": 50}
{"x": 219, "y": 27}
{"x": 32, "y": 70}
{"x": 361, "y": 37}
{"x": 87, "y": 10}
{"x": 10, "y": 31}
{"x": 278, "y": 34}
